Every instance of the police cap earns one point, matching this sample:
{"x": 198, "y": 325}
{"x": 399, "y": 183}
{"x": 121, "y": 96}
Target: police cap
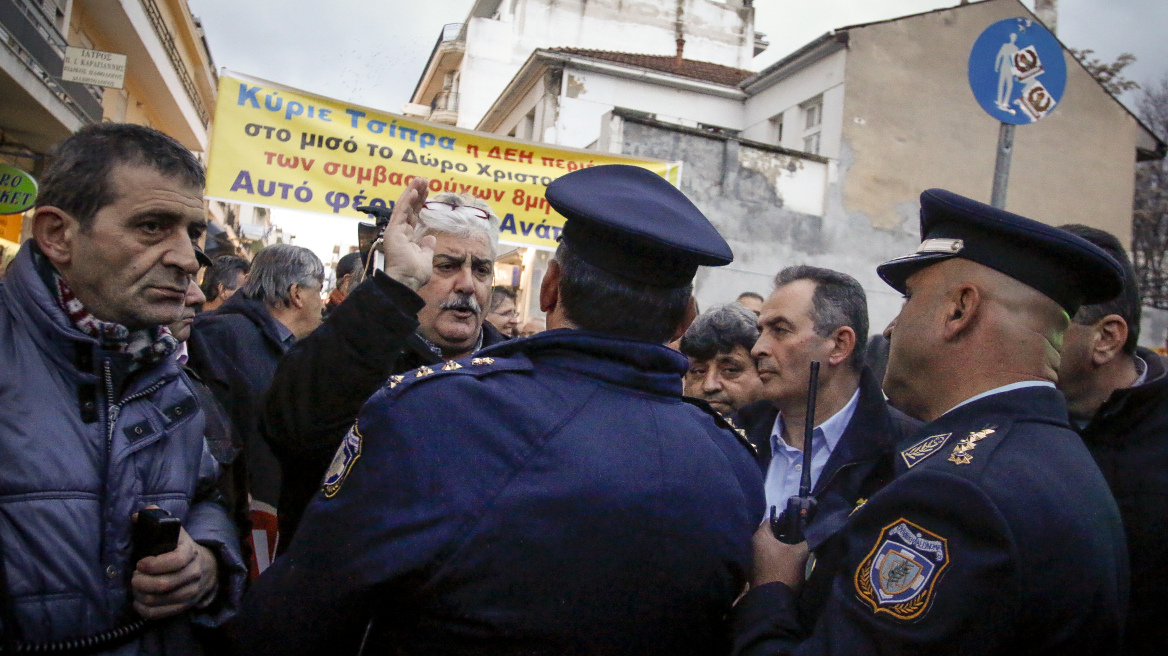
{"x": 630, "y": 222}
{"x": 1068, "y": 269}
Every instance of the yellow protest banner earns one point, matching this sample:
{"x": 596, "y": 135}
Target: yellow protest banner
{"x": 278, "y": 146}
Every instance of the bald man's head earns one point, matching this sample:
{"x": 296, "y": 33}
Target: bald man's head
{"x": 964, "y": 329}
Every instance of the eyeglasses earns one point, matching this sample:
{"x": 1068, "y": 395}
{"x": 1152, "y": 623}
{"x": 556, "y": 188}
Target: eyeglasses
{"x": 440, "y": 206}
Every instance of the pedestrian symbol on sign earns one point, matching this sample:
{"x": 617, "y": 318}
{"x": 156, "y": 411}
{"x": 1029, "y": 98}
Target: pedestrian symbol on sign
{"x": 1017, "y": 71}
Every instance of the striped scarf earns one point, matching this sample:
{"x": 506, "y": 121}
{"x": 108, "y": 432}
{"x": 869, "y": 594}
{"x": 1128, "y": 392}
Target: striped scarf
{"x": 147, "y": 346}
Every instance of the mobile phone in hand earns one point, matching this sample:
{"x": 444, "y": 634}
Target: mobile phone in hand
{"x": 155, "y": 533}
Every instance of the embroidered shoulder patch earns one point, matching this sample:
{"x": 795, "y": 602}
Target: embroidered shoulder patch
{"x": 923, "y": 449}
{"x": 342, "y": 464}
{"x": 898, "y": 575}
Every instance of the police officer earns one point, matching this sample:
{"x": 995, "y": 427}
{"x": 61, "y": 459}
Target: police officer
{"x": 997, "y": 534}
{"x": 552, "y": 495}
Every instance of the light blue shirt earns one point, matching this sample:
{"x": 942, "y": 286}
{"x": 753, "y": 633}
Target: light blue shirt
{"x": 786, "y": 468}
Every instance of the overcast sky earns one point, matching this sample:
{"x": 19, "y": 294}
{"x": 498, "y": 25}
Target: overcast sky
{"x": 371, "y": 52}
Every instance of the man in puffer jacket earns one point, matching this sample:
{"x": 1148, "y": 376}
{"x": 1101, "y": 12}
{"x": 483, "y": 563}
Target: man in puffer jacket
{"x": 97, "y": 422}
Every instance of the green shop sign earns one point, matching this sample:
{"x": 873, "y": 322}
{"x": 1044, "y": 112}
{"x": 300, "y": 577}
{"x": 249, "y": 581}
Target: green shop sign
{"x": 18, "y": 191}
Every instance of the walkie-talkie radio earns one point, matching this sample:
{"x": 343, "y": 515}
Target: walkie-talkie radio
{"x": 788, "y": 527}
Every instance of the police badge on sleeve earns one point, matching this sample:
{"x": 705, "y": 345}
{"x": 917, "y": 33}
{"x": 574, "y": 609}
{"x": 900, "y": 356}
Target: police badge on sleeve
{"x": 898, "y": 575}
{"x": 342, "y": 464}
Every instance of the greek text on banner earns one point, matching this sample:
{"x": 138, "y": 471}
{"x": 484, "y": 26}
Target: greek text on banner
{"x": 277, "y": 146}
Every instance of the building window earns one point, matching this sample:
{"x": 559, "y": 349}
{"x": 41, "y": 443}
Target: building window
{"x": 812, "y": 124}
{"x": 811, "y": 144}
{"x": 813, "y": 111}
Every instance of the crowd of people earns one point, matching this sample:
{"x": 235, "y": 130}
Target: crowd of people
{"x": 400, "y": 466}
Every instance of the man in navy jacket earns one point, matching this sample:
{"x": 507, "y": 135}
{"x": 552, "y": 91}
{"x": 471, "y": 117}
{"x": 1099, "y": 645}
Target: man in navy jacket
{"x": 553, "y": 495}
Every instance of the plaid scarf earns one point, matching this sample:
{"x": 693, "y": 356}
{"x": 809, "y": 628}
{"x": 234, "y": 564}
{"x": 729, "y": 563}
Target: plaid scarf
{"x": 146, "y": 346}
{"x": 437, "y": 350}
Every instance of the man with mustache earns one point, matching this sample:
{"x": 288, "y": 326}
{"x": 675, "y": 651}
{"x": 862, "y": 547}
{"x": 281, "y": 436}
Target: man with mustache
{"x": 97, "y": 422}
{"x": 547, "y": 496}
{"x": 424, "y": 308}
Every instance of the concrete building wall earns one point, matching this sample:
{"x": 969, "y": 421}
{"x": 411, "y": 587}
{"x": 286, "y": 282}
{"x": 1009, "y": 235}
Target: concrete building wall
{"x": 727, "y": 181}
{"x": 822, "y": 78}
{"x": 589, "y": 95}
{"x": 910, "y": 122}
{"x": 496, "y": 46}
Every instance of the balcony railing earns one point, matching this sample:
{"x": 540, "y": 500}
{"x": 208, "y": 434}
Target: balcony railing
{"x": 41, "y": 47}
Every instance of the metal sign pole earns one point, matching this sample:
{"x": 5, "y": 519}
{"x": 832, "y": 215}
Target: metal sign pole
{"x": 1017, "y": 73}
{"x": 1002, "y": 165}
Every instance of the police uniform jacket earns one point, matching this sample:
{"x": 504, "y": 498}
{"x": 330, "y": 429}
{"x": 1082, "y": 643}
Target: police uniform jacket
{"x": 553, "y": 495}
{"x": 1128, "y": 436}
{"x": 324, "y": 379}
{"x": 996, "y": 536}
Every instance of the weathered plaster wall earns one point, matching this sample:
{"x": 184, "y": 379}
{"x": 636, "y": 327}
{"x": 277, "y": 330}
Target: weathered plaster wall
{"x": 910, "y": 122}
{"x": 765, "y": 234}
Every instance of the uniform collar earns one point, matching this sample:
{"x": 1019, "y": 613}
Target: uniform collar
{"x": 1025, "y": 403}
{"x": 621, "y": 361}
{"x": 1004, "y": 388}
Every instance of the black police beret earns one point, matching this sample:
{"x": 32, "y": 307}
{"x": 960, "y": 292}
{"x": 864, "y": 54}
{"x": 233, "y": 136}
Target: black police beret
{"x": 1070, "y": 270}
{"x": 631, "y": 222}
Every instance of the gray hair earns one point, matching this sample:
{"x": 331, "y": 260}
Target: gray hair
{"x": 839, "y": 300}
{"x": 459, "y": 222}
{"x": 276, "y": 268}
{"x": 719, "y": 330}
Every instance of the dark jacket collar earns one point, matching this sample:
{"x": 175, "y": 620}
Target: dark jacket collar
{"x": 257, "y": 313}
{"x": 30, "y": 300}
{"x": 1130, "y": 405}
{"x": 869, "y": 435}
{"x": 870, "y": 432}
{"x": 642, "y": 365}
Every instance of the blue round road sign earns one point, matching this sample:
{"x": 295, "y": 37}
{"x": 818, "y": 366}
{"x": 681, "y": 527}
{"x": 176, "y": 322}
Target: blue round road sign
{"x": 1017, "y": 71}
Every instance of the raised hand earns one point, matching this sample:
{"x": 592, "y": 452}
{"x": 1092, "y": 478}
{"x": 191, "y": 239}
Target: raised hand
{"x": 408, "y": 261}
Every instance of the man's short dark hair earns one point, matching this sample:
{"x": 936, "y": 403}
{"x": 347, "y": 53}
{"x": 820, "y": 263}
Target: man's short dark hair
{"x": 78, "y": 179}
{"x": 719, "y": 330}
{"x": 1127, "y": 304}
{"x": 753, "y": 295}
{"x": 500, "y": 293}
{"x": 348, "y": 264}
{"x": 597, "y": 300}
{"x": 838, "y": 301}
{"x": 227, "y": 270}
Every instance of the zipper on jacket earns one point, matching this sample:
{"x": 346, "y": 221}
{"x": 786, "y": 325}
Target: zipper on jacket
{"x": 115, "y": 409}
